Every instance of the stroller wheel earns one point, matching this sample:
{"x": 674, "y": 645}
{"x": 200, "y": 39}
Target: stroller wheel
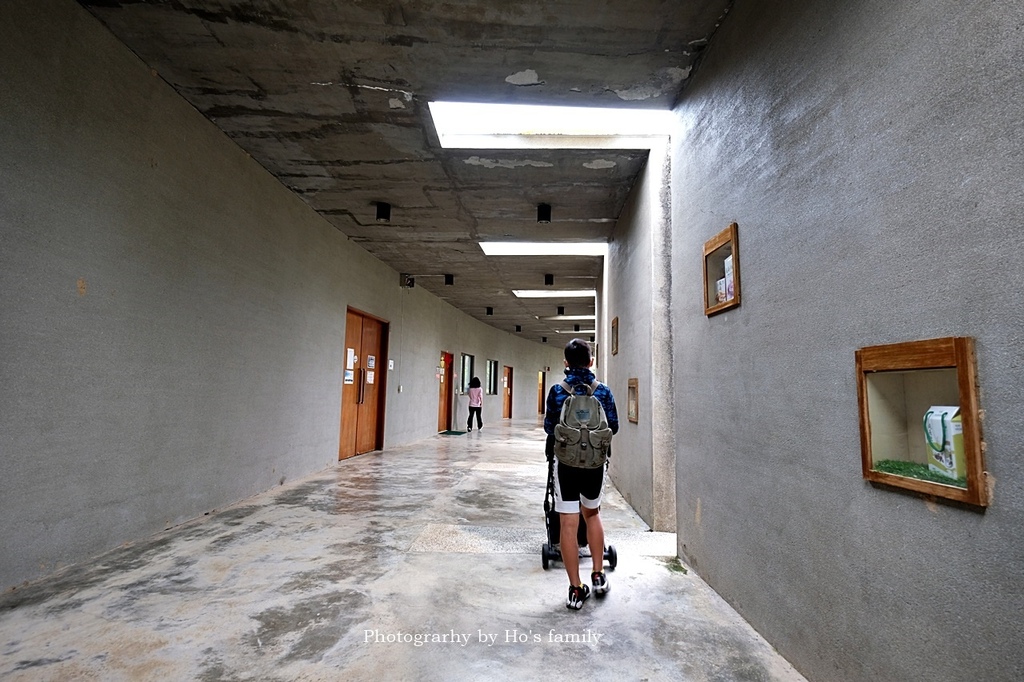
{"x": 544, "y": 555}
{"x": 612, "y": 556}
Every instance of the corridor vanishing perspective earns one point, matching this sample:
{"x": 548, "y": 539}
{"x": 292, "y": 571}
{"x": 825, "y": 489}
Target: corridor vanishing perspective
{"x": 415, "y": 563}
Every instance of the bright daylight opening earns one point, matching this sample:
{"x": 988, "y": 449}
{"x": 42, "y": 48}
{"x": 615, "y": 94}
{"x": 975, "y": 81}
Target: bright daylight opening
{"x": 468, "y": 125}
{"x": 568, "y": 317}
{"x": 544, "y": 248}
{"x": 471, "y": 125}
{"x": 555, "y": 293}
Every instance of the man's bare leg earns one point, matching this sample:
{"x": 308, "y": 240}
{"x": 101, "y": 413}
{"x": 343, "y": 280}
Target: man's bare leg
{"x": 569, "y": 525}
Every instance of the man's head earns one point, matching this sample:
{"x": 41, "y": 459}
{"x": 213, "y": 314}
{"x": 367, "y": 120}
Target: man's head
{"x": 577, "y": 354}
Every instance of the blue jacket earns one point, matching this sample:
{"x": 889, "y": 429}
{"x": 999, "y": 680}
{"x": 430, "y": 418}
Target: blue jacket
{"x": 576, "y": 377}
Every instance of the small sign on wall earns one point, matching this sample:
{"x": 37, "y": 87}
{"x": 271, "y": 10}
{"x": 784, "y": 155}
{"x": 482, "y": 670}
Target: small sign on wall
{"x": 350, "y": 376}
{"x": 369, "y": 377}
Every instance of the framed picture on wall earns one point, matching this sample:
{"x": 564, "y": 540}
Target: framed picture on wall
{"x": 722, "y": 271}
{"x": 615, "y": 336}
{"x": 920, "y": 418}
{"x": 633, "y": 401}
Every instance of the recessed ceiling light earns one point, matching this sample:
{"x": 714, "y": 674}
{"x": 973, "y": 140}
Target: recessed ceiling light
{"x": 544, "y": 248}
{"x": 555, "y": 293}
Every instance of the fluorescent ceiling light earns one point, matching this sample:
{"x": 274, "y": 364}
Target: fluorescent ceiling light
{"x": 582, "y": 331}
{"x": 472, "y": 125}
{"x": 544, "y": 248}
{"x": 555, "y": 293}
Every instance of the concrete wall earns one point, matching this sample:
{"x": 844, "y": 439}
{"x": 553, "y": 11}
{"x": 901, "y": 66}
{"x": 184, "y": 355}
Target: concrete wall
{"x": 638, "y": 294}
{"x": 872, "y": 154}
{"x": 172, "y": 317}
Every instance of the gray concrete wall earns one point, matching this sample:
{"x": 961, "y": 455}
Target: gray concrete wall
{"x": 872, "y": 154}
{"x": 172, "y": 317}
{"x": 638, "y": 294}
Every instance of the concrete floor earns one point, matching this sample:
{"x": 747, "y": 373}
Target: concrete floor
{"x": 332, "y": 577}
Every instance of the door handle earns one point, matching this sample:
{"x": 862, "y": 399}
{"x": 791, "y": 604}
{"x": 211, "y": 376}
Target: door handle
{"x": 362, "y": 386}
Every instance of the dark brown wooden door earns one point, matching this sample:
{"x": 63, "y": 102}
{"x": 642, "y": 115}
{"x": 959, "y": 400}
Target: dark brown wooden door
{"x": 363, "y": 377}
{"x": 444, "y": 400}
{"x": 506, "y": 382}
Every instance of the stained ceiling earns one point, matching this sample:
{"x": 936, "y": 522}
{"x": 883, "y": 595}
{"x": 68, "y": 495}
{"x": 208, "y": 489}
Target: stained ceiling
{"x": 331, "y": 98}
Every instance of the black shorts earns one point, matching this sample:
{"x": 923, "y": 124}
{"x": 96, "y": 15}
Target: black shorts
{"x": 574, "y": 486}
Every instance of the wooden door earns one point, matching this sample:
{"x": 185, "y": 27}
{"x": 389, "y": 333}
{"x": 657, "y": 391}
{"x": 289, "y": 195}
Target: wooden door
{"x": 506, "y": 382}
{"x": 369, "y": 382}
{"x": 444, "y": 399}
{"x": 362, "y": 391}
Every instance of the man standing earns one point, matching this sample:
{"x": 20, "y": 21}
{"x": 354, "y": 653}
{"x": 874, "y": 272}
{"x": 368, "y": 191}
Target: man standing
{"x": 579, "y": 488}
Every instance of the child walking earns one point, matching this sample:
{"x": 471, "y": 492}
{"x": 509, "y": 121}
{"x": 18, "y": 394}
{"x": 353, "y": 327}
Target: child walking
{"x": 476, "y": 403}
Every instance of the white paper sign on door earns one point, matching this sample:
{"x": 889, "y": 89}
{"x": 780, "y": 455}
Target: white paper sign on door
{"x": 350, "y": 359}
{"x": 369, "y": 377}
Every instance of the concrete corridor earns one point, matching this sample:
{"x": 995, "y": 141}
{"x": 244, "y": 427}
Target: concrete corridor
{"x": 335, "y": 577}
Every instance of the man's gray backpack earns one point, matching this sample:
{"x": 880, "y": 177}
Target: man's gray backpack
{"x": 582, "y": 436}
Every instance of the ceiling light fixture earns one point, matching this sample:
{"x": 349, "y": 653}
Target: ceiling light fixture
{"x": 544, "y": 213}
{"x": 555, "y": 293}
{"x": 490, "y": 310}
{"x": 383, "y": 212}
{"x": 519, "y": 328}
{"x": 561, "y": 310}
{"x": 449, "y": 280}
{"x": 549, "y": 280}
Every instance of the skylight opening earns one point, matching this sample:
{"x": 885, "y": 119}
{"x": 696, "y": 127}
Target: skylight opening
{"x": 544, "y": 248}
{"x": 569, "y": 317}
{"x": 555, "y": 293}
{"x": 473, "y": 125}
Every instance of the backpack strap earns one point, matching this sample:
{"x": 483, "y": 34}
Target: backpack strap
{"x": 590, "y": 387}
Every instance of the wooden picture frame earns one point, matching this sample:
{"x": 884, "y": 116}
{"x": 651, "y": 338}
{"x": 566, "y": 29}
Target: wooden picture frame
{"x": 633, "y": 401}
{"x": 904, "y": 388}
{"x": 615, "y": 336}
{"x": 722, "y": 271}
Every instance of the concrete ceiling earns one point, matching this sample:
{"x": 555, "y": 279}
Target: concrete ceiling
{"x": 331, "y": 98}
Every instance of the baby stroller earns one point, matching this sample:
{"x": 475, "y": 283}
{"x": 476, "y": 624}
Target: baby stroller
{"x": 549, "y": 551}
